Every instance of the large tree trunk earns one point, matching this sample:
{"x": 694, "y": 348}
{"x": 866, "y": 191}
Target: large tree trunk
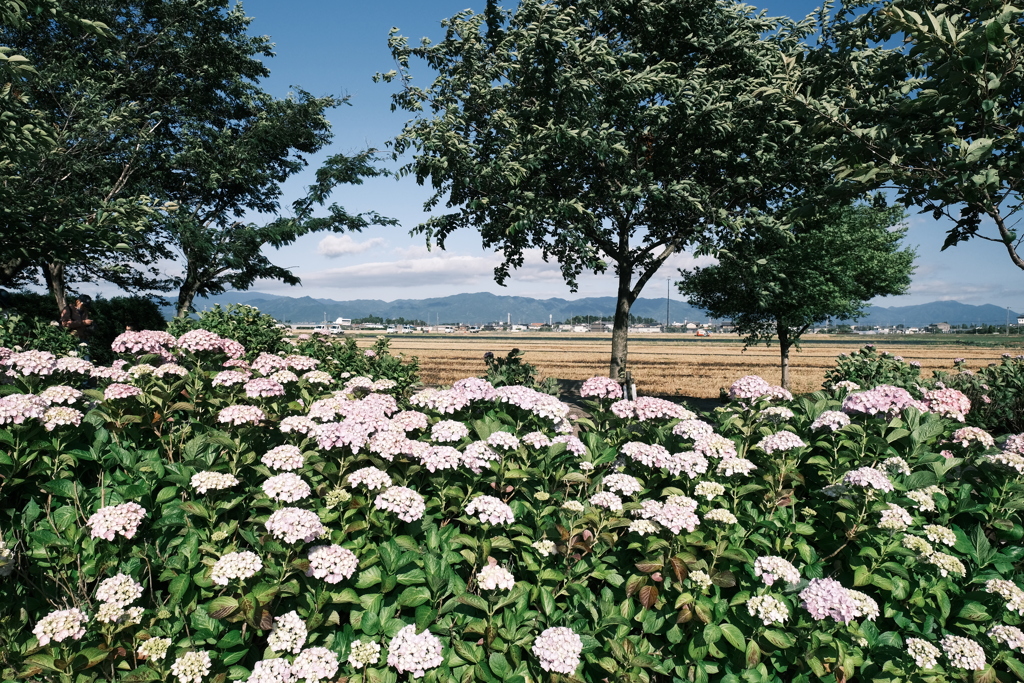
{"x": 186, "y": 295}
{"x": 784, "y": 343}
{"x": 53, "y": 274}
{"x": 620, "y": 327}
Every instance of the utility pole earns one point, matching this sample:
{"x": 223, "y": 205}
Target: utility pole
{"x": 1007, "y": 321}
{"x": 668, "y": 300}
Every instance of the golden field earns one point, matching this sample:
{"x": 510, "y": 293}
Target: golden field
{"x": 678, "y": 365}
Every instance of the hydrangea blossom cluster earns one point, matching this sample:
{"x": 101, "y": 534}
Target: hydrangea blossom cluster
{"x": 1006, "y": 458}
{"x": 675, "y": 514}
{"x": 294, "y": 524}
{"x": 923, "y": 498}
{"x": 720, "y": 516}
{"x": 154, "y": 648}
{"x": 409, "y": 420}
{"x": 444, "y": 401}
{"x": 601, "y": 387}
{"x": 114, "y": 520}
{"x": 946, "y": 564}
{"x": 542, "y": 405}
{"x": 241, "y": 565}
{"x": 1010, "y": 636}
{"x": 708, "y": 489}
{"x": 268, "y": 364}
{"x": 504, "y": 440}
{"x": 832, "y": 420}
{"x": 288, "y": 633}
{"x": 623, "y": 483}
{"x": 544, "y": 546}
{"x": 332, "y": 563}
{"x": 283, "y": 458}
{"x": 730, "y": 467}
{"x": 239, "y": 414}
{"x": 370, "y": 477}
{"x": 963, "y": 653}
{"x": 714, "y": 445}
{"x": 287, "y": 487}
{"x": 883, "y": 399}
{"x": 537, "y": 440}
{"x": 447, "y": 431}
{"x": 771, "y": 569}
{"x": 606, "y": 500}
{"x": 59, "y": 394}
{"x": 315, "y": 664}
{"x": 6, "y": 560}
{"x": 826, "y": 598}
{"x": 436, "y": 458}
{"x": 1008, "y": 591}
{"x": 965, "y": 436}
{"x": 780, "y": 441}
{"x": 285, "y": 377}
{"x": 212, "y": 481}
{"x": 558, "y": 649}
{"x": 300, "y": 424}
{"x": 59, "y": 625}
{"x": 895, "y": 519}
{"x": 117, "y": 391}
{"x": 749, "y": 387}
{"x": 924, "y": 654}
{"x": 941, "y": 534}
{"x": 120, "y": 590}
{"x": 272, "y": 671}
{"x": 363, "y": 654}
{"x": 263, "y": 387}
{"x": 192, "y": 667}
{"x": 475, "y": 389}
{"x": 692, "y": 429}
{"x": 492, "y": 577}
{"x": 948, "y": 403}
{"x": 491, "y": 510}
{"x": 229, "y": 378}
{"x": 868, "y": 478}
{"x": 61, "y": 416}
{"x": 767, "y": 609}
{"x": 28, "y": 363}
{"x": 572, "y": 444}
{"x": 775, "y": 414}
{"x": 404, "y": 502}
{"x": 414, "y": 652}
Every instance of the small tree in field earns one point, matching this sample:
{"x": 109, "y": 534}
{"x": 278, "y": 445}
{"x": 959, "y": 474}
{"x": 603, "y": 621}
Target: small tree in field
{"x": 777, "y": 284}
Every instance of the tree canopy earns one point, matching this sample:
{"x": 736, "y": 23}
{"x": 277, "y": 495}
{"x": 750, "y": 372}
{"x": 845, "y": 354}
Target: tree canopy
{"x": 932, "y": 104}
{"x": 602, "y": 132}
{"x": 160, "y": 140}
{"x": 777, "y": 285}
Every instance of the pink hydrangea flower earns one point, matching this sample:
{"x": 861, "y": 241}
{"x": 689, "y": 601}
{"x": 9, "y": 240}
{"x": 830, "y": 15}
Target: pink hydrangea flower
{"x": 114, "y": 520}
{"x": 601, "y": 387}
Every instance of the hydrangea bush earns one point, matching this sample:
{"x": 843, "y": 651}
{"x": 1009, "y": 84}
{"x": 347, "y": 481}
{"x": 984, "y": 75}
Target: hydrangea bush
{"x": 343, "y": 529}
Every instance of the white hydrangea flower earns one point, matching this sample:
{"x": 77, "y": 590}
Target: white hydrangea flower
{"x": 212, "y": 481}
{"x": 288, "y": 633}
{"x": 708, "y": 489}
{"x": 558, "y": 649}
{"x": 644, "y": 527}
{"x": 490, "y": 510}
{"x": 154, "y": 648}
{"x": 315, "y": 664}
{"x": 191, "y": 667}
{"x": 544, "y": 547}
{"x": 768, "y": 609}
{"x": 493, "y": 577}
{"x": 364, "y": 654}
{"x": 332, "y": 563}
{"x": 120, "y": 590}
{"x": 940, "y": 534}
{"x": 242, "y": 565}
{"x": 287, "y": 487}
{"x": 720, "y": 516}
{"x": 924, "y": 654}
{"x": 409, "y": 651}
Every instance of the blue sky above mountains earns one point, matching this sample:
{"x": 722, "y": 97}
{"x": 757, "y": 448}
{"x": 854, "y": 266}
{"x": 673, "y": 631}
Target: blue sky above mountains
{"x": 326, "y": 46}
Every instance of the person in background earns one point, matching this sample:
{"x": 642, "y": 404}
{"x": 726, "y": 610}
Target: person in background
{"x": 77, "y": 318}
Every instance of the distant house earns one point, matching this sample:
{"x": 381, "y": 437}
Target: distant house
{"x": 597, "y": 327}
{"x": 1020, "y": 319}
{"x": 535, "y": 327}
{"x": 939, "y": 327}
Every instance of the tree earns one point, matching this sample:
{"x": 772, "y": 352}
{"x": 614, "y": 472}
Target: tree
{"x": 162, "y": 139}
{"x": 226, "y": 168}
{"x": 602, "y": 130}
{"x": 778, "y": 285}
{"x": 936, "y": 108}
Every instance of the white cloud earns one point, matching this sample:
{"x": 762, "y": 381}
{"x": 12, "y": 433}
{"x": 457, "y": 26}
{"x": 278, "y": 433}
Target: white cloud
{"x": 334, "y": 246}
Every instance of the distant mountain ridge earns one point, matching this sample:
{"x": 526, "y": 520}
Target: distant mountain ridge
{"x": 483, "y": 307}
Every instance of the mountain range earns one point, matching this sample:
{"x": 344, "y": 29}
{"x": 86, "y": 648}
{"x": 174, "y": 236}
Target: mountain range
{"x": 483, "y": 307}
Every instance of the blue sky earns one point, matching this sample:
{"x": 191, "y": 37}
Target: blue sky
{"x": 335, "y": 47}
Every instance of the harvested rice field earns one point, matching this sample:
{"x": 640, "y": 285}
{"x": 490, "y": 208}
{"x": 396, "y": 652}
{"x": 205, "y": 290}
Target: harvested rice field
{"x": 680, "y": 366}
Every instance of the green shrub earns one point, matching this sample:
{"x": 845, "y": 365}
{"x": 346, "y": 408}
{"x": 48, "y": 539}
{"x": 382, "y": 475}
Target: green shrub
{"x": 775, "y": 541}
{"x": 514, "y": 370}
{"x": 343, "y": 358}
{"x": 257, "y": 332}
{"x": 996, "y": 393}
{"x": 868, "y": 368}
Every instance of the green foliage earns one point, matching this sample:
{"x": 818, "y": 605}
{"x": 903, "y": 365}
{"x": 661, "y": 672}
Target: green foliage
{"x": 30, "y": 322}
{"x": 868, "y": 368}
{"x": 257, "y": 332}
{"x": 514, "y": 370}
{"x": 996, "y": 393}
{"x": 343, "y": 358}
{"x": 928, "y": 98}
{"x": 777, "y": 284}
